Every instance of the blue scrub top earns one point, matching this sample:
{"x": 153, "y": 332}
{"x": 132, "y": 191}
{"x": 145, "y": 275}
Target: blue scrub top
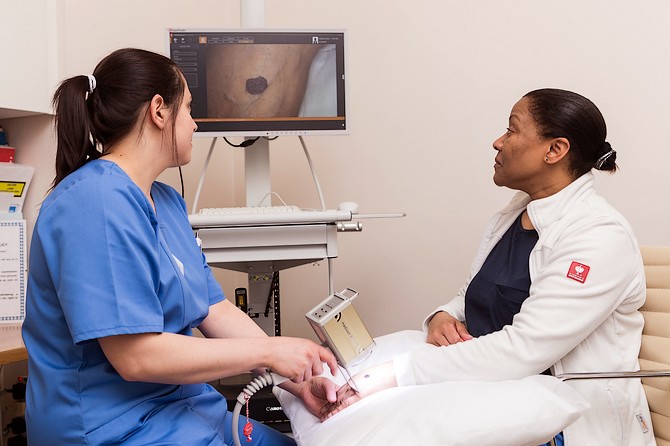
{"x": 102, "y": 263}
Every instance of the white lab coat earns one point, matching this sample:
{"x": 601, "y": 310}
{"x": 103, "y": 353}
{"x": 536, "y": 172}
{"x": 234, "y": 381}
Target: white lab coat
{"x": 587, "y": 323}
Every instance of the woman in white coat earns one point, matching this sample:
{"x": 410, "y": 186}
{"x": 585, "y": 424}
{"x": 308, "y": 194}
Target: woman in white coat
{"x": 555, "y": 286}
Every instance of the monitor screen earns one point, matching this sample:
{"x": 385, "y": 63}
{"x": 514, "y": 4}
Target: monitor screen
{"x": 263, "y": 82}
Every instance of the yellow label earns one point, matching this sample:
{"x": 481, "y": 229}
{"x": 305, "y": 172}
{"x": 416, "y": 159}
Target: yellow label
{"x": 12, "y": 187}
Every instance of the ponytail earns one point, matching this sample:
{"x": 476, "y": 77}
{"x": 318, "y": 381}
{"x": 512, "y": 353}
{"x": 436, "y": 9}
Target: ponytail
{"x": 73, "y": 130}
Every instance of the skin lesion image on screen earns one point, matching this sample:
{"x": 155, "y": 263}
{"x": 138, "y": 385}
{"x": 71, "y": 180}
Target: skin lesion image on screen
{"x": 271, "y": 81}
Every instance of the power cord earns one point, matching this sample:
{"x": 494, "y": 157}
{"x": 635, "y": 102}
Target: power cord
{"x": 245, "y": 143}
{"x": 311, "y": 169}
{"x": 181, "y": 181}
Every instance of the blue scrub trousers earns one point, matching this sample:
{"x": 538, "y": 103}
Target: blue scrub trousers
{"x": 201, "y": 420}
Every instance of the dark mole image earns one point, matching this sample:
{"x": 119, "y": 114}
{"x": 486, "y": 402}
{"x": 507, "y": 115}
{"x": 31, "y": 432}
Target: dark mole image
{"x": 256, "y": 85}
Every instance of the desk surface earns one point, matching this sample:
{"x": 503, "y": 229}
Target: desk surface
{"x": 12, "y": 348}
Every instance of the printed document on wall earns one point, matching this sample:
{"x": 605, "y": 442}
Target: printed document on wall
{"x": 13, "y": 270}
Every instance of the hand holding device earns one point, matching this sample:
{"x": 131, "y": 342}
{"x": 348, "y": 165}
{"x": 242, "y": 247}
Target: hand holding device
{"x": 299, "y": 359}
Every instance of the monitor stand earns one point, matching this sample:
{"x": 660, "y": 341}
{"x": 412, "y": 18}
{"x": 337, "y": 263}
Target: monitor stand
{"x": 257, "y": 173}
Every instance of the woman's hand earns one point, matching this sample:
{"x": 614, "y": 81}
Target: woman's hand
{"x": 444, "y": 329}
{"x": 316, "y": 394}
{"x": 363, "y": 384}
{"x": 346, "y": 396}
{"x": 299, "y": 359}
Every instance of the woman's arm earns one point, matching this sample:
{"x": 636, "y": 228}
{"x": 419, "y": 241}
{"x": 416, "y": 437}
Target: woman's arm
{"x": 234, "y": 345}
{"x": 559, "y": 314}
{"x": 225, "y": 320}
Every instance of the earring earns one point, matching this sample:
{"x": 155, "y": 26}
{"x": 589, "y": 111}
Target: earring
{"x": 546, "y": 158}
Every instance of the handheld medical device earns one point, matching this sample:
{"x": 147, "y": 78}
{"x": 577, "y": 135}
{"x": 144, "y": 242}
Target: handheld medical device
{"x": 338, "y": 326}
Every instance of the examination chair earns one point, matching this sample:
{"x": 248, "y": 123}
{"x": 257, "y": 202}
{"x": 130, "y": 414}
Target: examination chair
{"x": 655, "y": 350}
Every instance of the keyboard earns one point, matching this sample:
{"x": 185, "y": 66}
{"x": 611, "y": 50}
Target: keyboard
{"x": 263, "y": 215}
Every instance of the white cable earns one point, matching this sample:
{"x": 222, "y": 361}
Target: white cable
{"x": 266, "y": 379}
{"x": 331, "y": 289}
{"x": 202, "y": 177}
{"x": 323, "y": 206}
{"x": 311, "y": 168}
{"x": 269, "y": 194}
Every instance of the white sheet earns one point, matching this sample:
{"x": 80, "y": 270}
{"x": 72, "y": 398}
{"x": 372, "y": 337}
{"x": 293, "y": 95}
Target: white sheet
{"x": 524, "y": 412}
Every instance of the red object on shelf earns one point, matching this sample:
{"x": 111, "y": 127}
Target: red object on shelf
{"x": 6, "y": 154}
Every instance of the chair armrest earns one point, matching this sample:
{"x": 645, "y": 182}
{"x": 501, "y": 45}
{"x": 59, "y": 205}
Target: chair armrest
{"x": 609, "y": 375}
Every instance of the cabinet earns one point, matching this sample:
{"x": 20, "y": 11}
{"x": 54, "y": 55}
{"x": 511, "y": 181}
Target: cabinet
{"x": 28, "y": 67}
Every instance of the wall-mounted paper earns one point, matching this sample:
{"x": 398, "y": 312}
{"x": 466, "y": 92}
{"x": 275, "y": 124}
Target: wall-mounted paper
{"x": 13, "y": 270}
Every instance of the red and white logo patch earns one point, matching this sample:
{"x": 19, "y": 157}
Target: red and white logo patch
{"x": 578, "y": 271}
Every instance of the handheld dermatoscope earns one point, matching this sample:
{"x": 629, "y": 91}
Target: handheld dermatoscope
{"x": 338, "y": 325}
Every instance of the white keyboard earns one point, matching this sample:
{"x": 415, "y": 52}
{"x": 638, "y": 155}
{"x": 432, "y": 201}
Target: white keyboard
{"x": 263, "y": 215}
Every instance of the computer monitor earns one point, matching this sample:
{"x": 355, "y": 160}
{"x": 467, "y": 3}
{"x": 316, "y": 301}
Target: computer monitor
{"x": 263, "y": 82}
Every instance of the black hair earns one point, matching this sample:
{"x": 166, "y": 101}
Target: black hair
{"x": 564, "y": 114}
{"x": 92, "y": 117}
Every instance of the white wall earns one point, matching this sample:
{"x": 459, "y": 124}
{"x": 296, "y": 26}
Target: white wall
{"x": 431, "y": 84}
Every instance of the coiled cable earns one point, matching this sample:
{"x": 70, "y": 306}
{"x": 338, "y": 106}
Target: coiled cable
{"x": 256, "y": 384}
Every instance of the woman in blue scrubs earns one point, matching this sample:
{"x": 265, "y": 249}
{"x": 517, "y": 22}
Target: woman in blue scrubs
{"x": 117, "y": 281}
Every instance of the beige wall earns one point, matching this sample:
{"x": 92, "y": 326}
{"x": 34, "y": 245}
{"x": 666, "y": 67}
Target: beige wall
{"x": 431, "y": 83}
